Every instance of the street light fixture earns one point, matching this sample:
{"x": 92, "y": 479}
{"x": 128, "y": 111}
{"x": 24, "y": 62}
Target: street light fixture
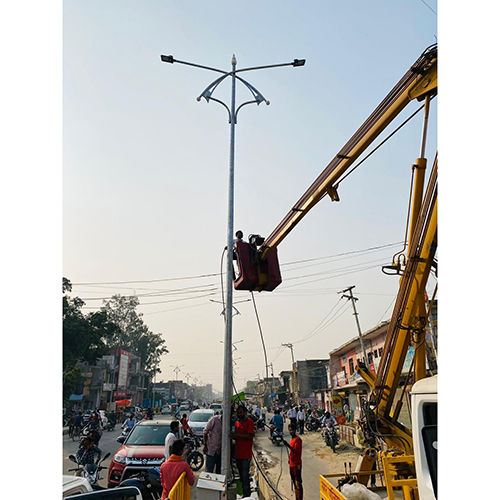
{"x": 258, "y": 98}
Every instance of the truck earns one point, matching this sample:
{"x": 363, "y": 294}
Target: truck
{"x": 408, "y": 455}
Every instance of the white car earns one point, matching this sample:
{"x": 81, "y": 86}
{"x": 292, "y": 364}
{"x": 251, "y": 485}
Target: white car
{"x": 216, "y": 407}
{"x": 74, "y": 485}
{"x": 166, "y": 410}
{"x": 198, "y": 420}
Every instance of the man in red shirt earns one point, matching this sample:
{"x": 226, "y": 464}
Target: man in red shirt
{"x": 243, "y": 434}
{"x": 172, "y": 468}
{"x": 295, "y": 461}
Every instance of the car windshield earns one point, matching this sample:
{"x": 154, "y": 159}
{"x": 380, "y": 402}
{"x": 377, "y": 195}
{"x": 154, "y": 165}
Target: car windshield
{"x": 153, "y": 435}
{"x": 200, "y": 417}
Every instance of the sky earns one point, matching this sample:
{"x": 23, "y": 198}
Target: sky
{"x": 145, "y": 167}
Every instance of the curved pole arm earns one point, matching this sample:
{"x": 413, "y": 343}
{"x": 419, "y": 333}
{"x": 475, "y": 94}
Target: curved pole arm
{"x": 207, "y": 93}
{"x": 244, "y": 104}
{"x": 220, "y": 102}
{"x": 257, "y": 95}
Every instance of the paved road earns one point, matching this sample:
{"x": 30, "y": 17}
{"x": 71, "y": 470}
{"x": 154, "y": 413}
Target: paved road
{"x": 107, "y": 444}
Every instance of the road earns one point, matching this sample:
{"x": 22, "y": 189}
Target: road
{"x": 316, "y": 459}
{"x": 107, "y": 444}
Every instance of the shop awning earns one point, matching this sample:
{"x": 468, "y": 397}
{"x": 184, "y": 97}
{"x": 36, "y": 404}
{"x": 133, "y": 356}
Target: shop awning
{"x": 76, "y": 397}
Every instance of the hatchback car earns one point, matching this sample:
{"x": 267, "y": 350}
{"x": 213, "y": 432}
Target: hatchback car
{"x": 198, "y": 420}
{"x": 142, "y": 449}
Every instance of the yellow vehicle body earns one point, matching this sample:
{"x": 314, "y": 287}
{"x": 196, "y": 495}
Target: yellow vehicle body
{"x": 409, "y": 318}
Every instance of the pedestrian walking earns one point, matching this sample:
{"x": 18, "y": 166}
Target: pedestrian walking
{"x": 243, "y": 435}
{"x": 301, "y": 419}
{"x": 173, "y": 467}
{"x": 295, "y": 461}
{"x": 212, "y": 443}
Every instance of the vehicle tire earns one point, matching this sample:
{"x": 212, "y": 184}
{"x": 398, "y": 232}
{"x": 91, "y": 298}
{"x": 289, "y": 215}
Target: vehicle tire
{"x": 196, "y": 460}
{"x": 309, "y": 427}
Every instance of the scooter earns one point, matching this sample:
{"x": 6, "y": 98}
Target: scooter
{"x": 148, "y": 482}
{"x": 89, "y": 471}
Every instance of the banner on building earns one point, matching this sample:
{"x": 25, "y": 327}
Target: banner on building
{"x": 123, "y": 369}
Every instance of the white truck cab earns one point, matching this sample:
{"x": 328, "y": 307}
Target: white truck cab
{"x": 425, "y": 441}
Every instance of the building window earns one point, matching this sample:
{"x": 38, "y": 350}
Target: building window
{"x": 375, "y": 353}
{"x": 351, "y": 367}
{"x": 380, "y": 352}
{"x": 370, "y": 358}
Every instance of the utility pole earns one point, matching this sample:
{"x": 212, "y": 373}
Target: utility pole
{"x": 290, "y": 346}
{"x": 353, "y": 300}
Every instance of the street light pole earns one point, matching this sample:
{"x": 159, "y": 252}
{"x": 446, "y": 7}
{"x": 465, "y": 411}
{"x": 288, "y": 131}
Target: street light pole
{"x": 233, "y": 114}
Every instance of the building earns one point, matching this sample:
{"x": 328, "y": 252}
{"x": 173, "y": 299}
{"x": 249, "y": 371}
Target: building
{"x": 112, "y": 377}
{"x": 308, "y": 376}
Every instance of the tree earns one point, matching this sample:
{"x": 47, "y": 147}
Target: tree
{"x": 84, "y": 337}
{"x": 134, "y": 335}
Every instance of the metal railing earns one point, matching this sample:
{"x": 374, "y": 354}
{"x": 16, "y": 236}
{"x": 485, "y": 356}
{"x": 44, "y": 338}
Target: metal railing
{"x": 181, "y": 489}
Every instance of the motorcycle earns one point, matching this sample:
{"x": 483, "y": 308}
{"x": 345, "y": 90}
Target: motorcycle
{"x": 194, "y": 458}
{"x": 330, "y": 436}
{"x": 148, "y": 482}
{"x": 277, "y": 436}
{"x": 110, "y": 426}
{"x": 89, "y": 471}
{"x": 94, "y": 433}
{"x": 261, "y": 424}
{"x": 312, "y": 424}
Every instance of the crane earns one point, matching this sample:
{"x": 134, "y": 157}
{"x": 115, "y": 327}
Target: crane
{"x": 409, "y": 459}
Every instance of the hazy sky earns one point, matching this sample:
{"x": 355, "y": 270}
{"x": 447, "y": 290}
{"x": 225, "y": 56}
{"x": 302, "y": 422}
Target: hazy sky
{"x": 146, "y": 166}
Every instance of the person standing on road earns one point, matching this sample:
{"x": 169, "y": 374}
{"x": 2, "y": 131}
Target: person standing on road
{"x": 212, "y": 443}
{"x": 295, "y": 461}
{"x": 243, "y": 435}
{"x": 171, "y": 437}
{"x": 173, "y": 467}
{"x": 292, "y": 415}
{"x": 301, "y": 419}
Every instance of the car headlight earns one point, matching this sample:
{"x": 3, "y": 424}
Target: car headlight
{"x": 119, "y": 459}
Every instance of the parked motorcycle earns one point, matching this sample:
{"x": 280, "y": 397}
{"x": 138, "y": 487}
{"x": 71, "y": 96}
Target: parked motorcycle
{"x": 89, "y": 471}
{"x": 148, "y": 482}
{"x": 312, "y": 424}
{"x": 194, "y": 458}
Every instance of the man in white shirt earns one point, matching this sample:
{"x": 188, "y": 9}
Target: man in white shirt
{"x": 171, "y": 437}
{"x": 292, "y": 415}
{"x": 301, "y": 419}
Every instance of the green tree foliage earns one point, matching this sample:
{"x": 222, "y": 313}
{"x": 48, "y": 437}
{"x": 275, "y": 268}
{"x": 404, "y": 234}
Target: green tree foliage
{"x": 134, "y": 335}
{"x": 84, "y": 337}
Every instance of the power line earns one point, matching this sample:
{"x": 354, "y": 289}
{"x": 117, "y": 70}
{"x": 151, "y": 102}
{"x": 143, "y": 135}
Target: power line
{"x": 100, "y": 283}
{"x": 428, "y": 6}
